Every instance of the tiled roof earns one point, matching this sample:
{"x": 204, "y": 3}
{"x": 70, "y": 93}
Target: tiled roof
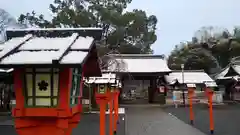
{"x": 32, "y": 50}
{"x": 138, "y": 63}
{"x": 190, "y": 77}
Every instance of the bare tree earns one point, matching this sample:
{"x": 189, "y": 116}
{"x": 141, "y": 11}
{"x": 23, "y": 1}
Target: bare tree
{"x": 6, "y": 21}
{"x": 111, "y": 63}
{"x": 211, "y": 34}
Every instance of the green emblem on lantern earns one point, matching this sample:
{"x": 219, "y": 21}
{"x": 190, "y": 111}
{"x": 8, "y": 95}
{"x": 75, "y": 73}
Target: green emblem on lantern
{"x": 102, "y": 89}
{"x": 112, "y": 88}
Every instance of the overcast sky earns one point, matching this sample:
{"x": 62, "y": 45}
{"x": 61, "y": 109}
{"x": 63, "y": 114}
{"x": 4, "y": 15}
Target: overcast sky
{"x": 177, "y": 19}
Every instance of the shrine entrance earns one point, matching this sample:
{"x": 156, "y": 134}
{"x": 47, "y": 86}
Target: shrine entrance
{"x": 139, "y": 89}
{"x": 141, "y": 77}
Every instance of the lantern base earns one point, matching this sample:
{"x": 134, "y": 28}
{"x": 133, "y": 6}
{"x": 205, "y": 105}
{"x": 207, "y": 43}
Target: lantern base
{"x": 73, "y": 122}
{"x": 46, "y": 125}
{"x": 41, "y": 130}
{"x": 103, "y": 98}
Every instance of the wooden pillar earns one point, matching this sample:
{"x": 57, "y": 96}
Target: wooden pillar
{"x": 121, "y": 90}
{"x": 111, "y": 115}
{"x": 152, "y": 89}
{"x": 102, "y": 118}
{"x": 211, "y": 121}
{"x": 94, "y": 105}
{"x": 190, "y": 98}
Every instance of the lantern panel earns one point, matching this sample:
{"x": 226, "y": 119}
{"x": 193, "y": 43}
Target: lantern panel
{"x": 55, "y": 83}
{"x": 75, "y": 90}
{"x": 102, "y": 88}
{"x": 30, "y": 101}
{"x": 112, "y": 88}
{"x": 29, "y": 84}
{"x": 41, "y": 87}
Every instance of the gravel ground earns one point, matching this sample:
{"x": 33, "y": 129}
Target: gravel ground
{"x": 89, "y": 125}
{"x": 152, "y": 120}
{"x": 226, "y": 118}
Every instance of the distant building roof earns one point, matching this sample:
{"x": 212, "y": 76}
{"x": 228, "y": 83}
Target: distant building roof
{"x": 138, "y": 63}
{"x": 190, "y": 77}
{"x": 232, "y": 71}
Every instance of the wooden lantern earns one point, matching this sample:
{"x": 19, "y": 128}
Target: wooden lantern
{"x": 49, "y": 65}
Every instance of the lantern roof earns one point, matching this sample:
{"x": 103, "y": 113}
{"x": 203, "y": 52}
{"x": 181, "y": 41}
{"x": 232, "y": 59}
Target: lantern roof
{"x": 49, "y": 47}
{"x": 106, "y": 78}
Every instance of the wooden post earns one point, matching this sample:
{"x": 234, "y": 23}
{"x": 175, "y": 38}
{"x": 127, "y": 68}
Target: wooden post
{"x": 102, "y": 117}
{"x": 190, "y": 96}
{"x": 211, "y": 124}
{"x": 111, "y": 117}
{"x": 117, "y": 106}
{"x": 90, "y": 98}
{"x": 115, "y": 112}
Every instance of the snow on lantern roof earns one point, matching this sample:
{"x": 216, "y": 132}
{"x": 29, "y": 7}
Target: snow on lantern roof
{"x": 13, "y": 43}
{"x": 52, "y": 29}
{"x": 107, "y": 78}
{"x": 210, "y": 84}
{"x": 48, "y": 43}
{"x": 138, "y": 63}
{"x": 6, "y": 70}
{"x": 191, "y": 85}
{"x": 83, "y": 43}
{"x": 32, "y": 50}
{"x": 74, "y": 57}
{"x": 189, "y": 76}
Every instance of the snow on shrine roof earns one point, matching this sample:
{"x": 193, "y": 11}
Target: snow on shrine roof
{"x": 190, "y": 77}
{"x": 44, "y": 50}
{"x": 139, "y": 63}
{"x": 106, "y": 78}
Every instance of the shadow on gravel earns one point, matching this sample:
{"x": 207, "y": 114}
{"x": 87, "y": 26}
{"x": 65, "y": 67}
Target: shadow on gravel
{"x": 226, "y": 118}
